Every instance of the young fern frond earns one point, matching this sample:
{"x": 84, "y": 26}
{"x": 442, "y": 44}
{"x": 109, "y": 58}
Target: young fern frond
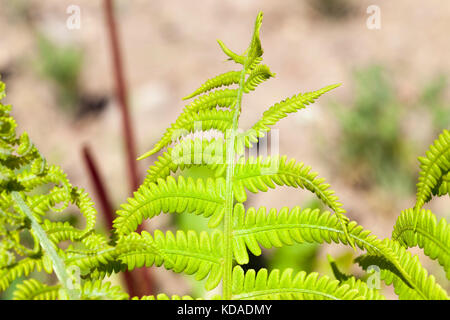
{"x": 279, "y": 111}
{"x": 413, "y": 283}
{"x": 188, "y": 153}
{"x": 420, "y": 228}
{"x": 434, "y": 166}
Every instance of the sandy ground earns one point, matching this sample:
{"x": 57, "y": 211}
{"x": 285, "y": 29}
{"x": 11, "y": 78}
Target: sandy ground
{"x": 169, "y": 49}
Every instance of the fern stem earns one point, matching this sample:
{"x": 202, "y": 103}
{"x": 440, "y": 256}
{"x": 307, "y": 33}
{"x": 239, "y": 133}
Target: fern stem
{"x": 229, "y": 197}
{"x": 58, "y": 264}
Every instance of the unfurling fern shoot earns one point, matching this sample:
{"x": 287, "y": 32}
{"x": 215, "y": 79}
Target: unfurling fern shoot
{"x": 234, "y": 229}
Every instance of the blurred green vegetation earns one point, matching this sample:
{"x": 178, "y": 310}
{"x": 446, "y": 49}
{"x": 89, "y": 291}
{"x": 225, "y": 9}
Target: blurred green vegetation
{"x": 372, "y": 145}
{"x": 61, "y": 64}
{"x": 434, "y": 100}
{"x": 374, "y": 150}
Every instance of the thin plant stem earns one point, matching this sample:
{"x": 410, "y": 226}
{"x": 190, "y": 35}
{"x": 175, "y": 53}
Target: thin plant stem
{"x": 58, "y": 263}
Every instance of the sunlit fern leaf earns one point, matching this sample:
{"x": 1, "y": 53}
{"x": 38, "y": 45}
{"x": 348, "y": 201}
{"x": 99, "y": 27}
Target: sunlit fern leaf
{"x": 34, "y": 290}
{"x": 187, "y": 153}
{"x": 20, "y": 268}
{"x": 421, "y": 228}
{"x": 254, "y": 51}
{"x": 191, "y": 121}
{"x": 443, "y": 187}
{"x": 287, "y": 227}
{"x": 98, "y": 290}
{"x": 413, "y": 283}
{"x": 264, "y": 173}
{"x": 193, "y": 254}
{"x": 433, "y": 166}
{"x": 279, "y": 111}
{"x": 174, "y": 196}
{"x": 284, "y": 285}
{"x": 224, "y": 79}
{"x": 190, "y": 253}
{"x": 232, "y": 56}
{"x": 258, "y": 75}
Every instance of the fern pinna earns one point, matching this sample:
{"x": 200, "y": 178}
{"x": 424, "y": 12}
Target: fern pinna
{"x": 234, "y": 230}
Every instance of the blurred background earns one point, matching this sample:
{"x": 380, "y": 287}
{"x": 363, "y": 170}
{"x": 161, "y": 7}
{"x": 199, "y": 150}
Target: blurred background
{"x": 363, "y": 137}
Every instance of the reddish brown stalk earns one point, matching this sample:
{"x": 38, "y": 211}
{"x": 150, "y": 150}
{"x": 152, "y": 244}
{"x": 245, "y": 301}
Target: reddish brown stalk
{"x": 140, "y": 279}
{"x": 122, "y": 95}
{"x": 133, "y": 288}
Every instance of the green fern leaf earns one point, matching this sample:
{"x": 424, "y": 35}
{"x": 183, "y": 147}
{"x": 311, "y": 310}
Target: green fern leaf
{"x": 279, "y": 111}
{"x": 186, "y": 252}
{"x": 413, "y": 283}
{"x": 175, "y": 196}
{"x": 224, "y": 79}
{"x": 34, "y": 290}
{"x": 433, "y": 167}
{"x": 265, "y": 173}
{"x": 258, "y": 75}
{"x": 420, "y": 228}
{"x": 187, "y": 153}
{"x": 191, "y": 121}
{"x": 275, "y": 286}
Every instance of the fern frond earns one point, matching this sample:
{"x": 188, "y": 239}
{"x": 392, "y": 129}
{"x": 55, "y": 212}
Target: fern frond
{"x": 175, "y": 196}
{"x": 193, "y": 254}
{"x": 420, "y": 228}
{"x": 254, "y": 51}
{"x": 187, "y": 153}
{"x": 268, "y": 172}
{"x": 413, "y": 283}
{"x": 190, "y": 121}
{"x": 286, "y": 227}
{"x": 232, "y": 56}
{"x": 433, "y": 166}
{"x": 21, "y": 268}
{"x": 34, "y": 290}
{"x": 279, "y": 111}
{"x": 443, "y": 187}
{"x": 284, "y": 285}
{"x": 258, "y": 75}
{"x": 98, "y": 290}
{"x": 224, "y": 79}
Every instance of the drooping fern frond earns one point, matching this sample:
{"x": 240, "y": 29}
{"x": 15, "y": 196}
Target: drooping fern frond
{"x": 421, "y": 228}
{"x": 434, "y": 166}
{"x": 261, "y": 174}
{"x": 413, "y": 283}
{"x": 273, "y": 228}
